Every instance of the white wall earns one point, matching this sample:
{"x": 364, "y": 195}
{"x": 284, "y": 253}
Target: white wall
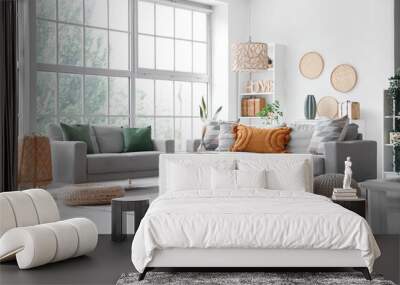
{"x": 358, "y": 32}
{"x": 230, "y": 24}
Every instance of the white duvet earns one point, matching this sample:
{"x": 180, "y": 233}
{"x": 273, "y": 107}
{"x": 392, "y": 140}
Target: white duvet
{"x": 250, "y": 219}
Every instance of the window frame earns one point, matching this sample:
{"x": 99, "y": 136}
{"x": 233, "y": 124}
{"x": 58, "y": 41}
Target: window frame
{"x": 77, "y": 70}
{"x": 33, "y": 67}
{"x": 171, "y": 75}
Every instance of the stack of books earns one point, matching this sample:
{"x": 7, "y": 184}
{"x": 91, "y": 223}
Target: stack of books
{"x": 340, "y": 193}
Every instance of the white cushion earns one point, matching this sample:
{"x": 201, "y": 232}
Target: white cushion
{"x": 251, "y": 179}
{"x": 290, "y": 175}
{"x": 227, "y": 179}
{"x": 186, "y": 175}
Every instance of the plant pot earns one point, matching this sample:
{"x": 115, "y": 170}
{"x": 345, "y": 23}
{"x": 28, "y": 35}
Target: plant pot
{"x": 310, "y": 107}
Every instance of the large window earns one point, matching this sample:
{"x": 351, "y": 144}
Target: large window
{"x": 172, "y": 62}
{"x": 83, "y": 62}
{"x": 85, "y": 70}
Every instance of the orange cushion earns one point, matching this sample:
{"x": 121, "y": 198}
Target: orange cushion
{"x": 266, "y": 140}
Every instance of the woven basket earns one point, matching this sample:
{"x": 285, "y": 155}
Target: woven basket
{"x": 92, "y": 195}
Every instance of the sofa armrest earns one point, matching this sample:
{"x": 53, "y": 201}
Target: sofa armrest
{"x": 69, "y": 161}
{"x": 192, "y": 145}
{"x": 363, "y": 155}
{"x": 167, "y": 146}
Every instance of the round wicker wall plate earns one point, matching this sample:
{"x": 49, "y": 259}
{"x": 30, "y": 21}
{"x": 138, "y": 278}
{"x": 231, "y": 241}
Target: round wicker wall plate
{"x": 328, "y": 107}
{"x": 344, "y": 78}
{"x": 311, "y": 65}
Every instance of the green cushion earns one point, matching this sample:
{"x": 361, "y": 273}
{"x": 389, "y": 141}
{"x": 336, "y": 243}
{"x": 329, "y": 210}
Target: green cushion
{"x": 78, "y": 133}
{"x": 137, "y": 139}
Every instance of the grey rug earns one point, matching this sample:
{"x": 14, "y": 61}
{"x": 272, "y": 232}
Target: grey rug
{"x": 269, "y": 278}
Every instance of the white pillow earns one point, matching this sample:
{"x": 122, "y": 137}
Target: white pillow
{"x": 251, "y": 178}
{"x": 186, "y": 175}
{"x": 282, "y": 174}
{"x": 223, "y": 179}
{"x": 227, "y": 179}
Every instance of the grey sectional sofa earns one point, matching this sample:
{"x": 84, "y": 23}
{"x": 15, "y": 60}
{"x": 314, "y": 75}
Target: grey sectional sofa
{"x": 363, "y": 153}
{"x": 71, "y": 164}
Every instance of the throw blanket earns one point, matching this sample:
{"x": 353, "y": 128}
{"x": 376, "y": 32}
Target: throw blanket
{"x": 250, "y": 219}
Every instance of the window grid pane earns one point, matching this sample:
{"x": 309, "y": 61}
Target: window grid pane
{"x": 82, "y": 38}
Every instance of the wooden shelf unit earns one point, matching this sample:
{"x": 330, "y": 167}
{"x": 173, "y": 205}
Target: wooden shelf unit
{"x": 389, "y": 122}
{"x": 276, "y": 73}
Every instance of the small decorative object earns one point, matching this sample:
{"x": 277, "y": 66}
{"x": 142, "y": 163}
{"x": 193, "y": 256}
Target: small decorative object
{"x": 344, "y": 78}
{"x": 394, "y": 137}
{"x": 394, "y": 91}
{"x": 34, "y": 162}
{"x": 328, "y": 107}
{"x": 347, "y": 173}
{"x": 130, "y": 181}
{"x": 310, "y": 107}
{"x": 351, "y": 109}
{"x": 250, "y": 56}
{"x": 311, "y": 65}
{"x": 204, "y": 118}
{"x": 271, "y": 114}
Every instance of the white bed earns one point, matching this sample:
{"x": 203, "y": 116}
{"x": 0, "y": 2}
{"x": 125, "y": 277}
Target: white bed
{"x": 193, "y": 224}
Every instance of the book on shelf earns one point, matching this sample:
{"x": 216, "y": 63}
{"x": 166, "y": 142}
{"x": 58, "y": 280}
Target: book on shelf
{"x": 244, "y": 108}
{"x": 250, "y": 107}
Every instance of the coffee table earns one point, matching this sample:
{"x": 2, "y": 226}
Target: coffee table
{"x": 138, "y": 201}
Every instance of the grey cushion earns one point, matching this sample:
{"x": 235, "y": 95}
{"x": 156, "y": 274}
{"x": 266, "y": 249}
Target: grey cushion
{"x": 300, "y": 137}
{"x": 55, "y": 133}
{"x": 122, "y": 162}
{"x": 327, "y": 131}
{"x": 110, "y": 139}
{"x": 211, "y": 135}
{"x": 226, "y": 136}
{"x": 318, "y": 164}
{"x": 351, "y": 132}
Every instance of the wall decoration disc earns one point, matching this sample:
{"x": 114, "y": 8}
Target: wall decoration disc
{"x": 344, "y": 78}
{"x": 328, "y": 107}
{"x": 311, "y": 65}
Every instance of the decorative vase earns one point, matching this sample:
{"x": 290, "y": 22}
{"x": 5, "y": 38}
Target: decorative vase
{"x": 310, "y": 107}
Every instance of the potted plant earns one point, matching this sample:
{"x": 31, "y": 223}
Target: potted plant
{"x": 271, "y": 114}
{"x": 205, "y": 119}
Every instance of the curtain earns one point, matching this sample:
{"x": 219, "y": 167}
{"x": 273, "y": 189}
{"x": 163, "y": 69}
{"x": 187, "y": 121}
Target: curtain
{"x": 8, "y": 96}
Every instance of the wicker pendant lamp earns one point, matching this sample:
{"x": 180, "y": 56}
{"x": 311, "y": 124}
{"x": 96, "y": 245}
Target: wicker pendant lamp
{"x": 34, "y": 162}
{"x": 249, "y": 56}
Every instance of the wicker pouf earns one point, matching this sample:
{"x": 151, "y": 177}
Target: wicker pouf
{"x": 324, "y": 184}
{"x": 90, "y": 194}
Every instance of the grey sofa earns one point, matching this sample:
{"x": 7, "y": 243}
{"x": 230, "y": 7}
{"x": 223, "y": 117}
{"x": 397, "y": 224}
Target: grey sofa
{"x": 363, "y": 153}
{"x": 71, "y": 164}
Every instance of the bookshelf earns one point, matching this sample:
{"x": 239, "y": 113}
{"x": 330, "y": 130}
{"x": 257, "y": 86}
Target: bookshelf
{"x": 276, "y": 85}
{"x": 390, "y": 120}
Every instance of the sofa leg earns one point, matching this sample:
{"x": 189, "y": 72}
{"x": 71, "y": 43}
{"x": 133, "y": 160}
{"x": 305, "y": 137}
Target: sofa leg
{"x": 364, "y": 271}
{"x": 143, "y": 274}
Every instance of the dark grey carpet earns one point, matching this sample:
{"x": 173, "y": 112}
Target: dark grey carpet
{"x": 243, "y": 278}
